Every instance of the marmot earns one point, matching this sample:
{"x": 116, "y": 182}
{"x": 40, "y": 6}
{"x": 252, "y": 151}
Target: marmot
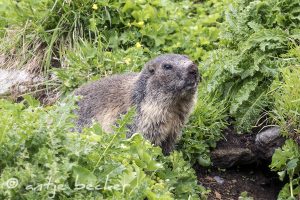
{"x": 163, "y": 93}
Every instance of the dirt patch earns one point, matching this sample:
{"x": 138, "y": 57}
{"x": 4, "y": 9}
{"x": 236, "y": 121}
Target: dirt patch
{"x": 246, "y": 170}
{"x": 257, "y": 181}
{"x": 234, "y": 150}
{"x": 233, "y": 140}
{"x": 245, "y": 149}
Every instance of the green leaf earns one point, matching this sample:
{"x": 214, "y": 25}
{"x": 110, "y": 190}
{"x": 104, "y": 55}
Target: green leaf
{"x": 264, "y": 39}
{"x": 31, "y": 101}
{"x": 282, "y": 175}
{"x": 205, "y": 162}
{"x": 84, "y": 176}
{"x": 292, "y": 164}
{"x": 249, "y": 112}
{"x": 243, "y": 94}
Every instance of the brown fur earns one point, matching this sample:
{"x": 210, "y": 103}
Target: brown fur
{"x": 163, "y": 97}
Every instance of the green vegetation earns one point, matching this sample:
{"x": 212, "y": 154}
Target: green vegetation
{"x": 97, "y": 38}
{"x": 286, "y": 161}
{"x": 257, "y": 37}
{"x": 286, "y": 113}
{"x": 204, "y": 129}
{"x": 39, "y": 149}
{"x": 244, "y": 196}
{"x": 248, "y": 54}
{"x": 79, "y": 43}
{"x": 259, "y": 47}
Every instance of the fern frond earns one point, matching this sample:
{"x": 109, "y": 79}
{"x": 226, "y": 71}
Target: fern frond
{"x": 266, "y": 39}
{"x": 250, "y": 111}
{"x": 243, "y": 94}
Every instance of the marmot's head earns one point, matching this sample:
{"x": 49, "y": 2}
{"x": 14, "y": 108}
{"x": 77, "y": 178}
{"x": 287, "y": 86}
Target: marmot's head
{"x": 172, "y": 74}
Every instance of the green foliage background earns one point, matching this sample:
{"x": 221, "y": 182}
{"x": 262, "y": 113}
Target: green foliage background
{"x": 39, "y": 148}
{"x": 257, "y": 39}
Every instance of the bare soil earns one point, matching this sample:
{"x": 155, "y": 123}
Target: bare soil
{"x": 232, "y": 140}
{"x": 257, "y": 181}
{"x": 254, "y": 178}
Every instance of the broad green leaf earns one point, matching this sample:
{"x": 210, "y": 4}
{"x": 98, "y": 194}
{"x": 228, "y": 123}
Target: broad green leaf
{"x": 84, "y": 176}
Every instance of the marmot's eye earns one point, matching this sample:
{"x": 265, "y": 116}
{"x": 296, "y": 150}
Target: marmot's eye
{"x": 167, "y": 66}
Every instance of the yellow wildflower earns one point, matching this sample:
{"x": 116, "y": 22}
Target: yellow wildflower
{"x": 138, "y": 45}
{"x": 95, "y": 6}
{"x": 141, "y": 23}
{"x": 127, "y": 61}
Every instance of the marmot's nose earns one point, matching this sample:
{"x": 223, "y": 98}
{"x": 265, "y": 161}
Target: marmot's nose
{"x": 193, "y": 71}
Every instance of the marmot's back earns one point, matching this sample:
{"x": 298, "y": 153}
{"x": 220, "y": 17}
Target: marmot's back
{"x": 105, "y": 100}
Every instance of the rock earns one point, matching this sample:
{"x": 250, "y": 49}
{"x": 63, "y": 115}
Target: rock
{"x": 246, "y": 148}
{"x": 17, "y": 82}
{"x": 267, "y": 141}
{"x": 219, "y": 180}
{"x": 226, "y": 158}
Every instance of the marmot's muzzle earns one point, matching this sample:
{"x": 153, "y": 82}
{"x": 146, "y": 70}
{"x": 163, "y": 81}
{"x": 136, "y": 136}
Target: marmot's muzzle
{"x": 193, "y": 76}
